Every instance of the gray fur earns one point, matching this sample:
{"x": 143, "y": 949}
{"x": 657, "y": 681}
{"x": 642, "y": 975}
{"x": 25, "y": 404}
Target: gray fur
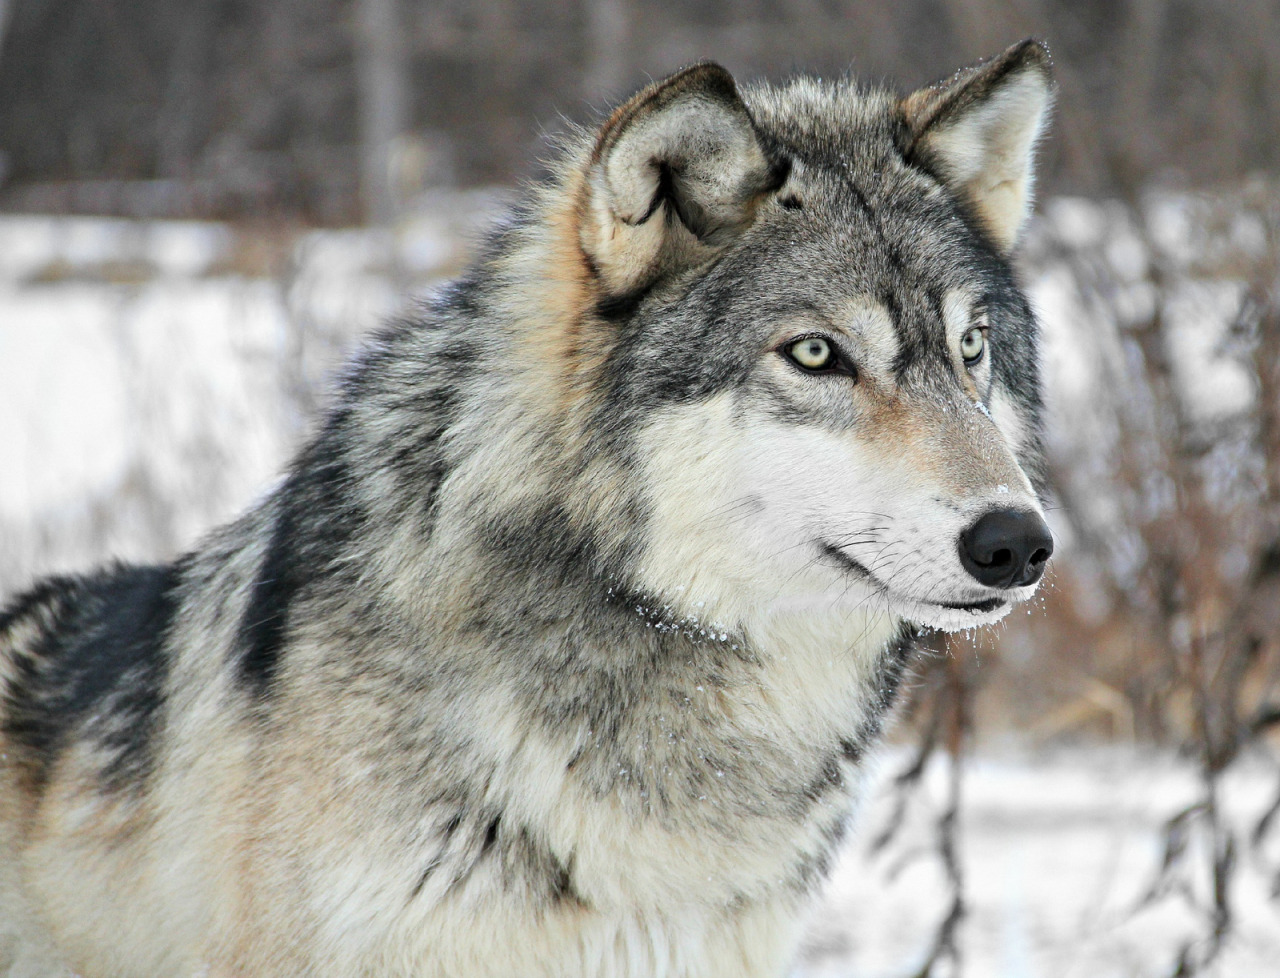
{"x": 425, "y": 710}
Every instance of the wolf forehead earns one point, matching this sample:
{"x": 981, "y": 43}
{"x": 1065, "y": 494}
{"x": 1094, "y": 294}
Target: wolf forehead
{"x": 855, "y": 245}
{"x": 861, "y": 211}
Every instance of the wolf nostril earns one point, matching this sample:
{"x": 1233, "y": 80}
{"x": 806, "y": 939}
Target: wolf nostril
{"x": 1006, "y": 548}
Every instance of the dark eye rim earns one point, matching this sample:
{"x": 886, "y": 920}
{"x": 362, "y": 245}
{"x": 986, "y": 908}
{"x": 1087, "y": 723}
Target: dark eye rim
{"x": 838, "y": 365}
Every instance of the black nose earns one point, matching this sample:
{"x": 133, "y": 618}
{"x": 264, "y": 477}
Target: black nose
{"x": 1006, "y": 548}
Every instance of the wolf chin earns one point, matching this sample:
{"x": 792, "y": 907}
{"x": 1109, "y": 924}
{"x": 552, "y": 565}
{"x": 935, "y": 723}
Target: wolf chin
{"x": 558, "y": 652}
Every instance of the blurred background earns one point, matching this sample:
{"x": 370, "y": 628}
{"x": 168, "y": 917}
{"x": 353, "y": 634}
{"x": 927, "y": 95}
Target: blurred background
{"x": 204, "y": 205}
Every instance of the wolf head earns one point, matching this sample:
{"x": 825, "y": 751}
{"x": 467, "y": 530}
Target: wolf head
{"x": 787, "y": 354}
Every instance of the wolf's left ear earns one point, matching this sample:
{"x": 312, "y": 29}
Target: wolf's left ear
{"x": 676, "y": 174}
{"x": 978, "y": 132}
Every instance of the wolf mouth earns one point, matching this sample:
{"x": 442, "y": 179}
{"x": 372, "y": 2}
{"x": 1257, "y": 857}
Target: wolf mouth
{"x": 849, "y": 564}
{"x": 980, "y": 607}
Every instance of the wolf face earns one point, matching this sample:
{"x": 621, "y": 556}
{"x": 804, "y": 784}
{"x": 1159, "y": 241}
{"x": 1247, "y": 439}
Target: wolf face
{"x": 840, "y": 411}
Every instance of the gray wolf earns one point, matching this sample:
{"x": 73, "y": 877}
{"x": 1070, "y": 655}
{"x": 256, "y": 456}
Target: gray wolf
{"x": 559, "y": 650}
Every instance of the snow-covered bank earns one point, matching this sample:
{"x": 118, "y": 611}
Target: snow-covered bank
{"x": 1057, "y": 852}
{"x": 155, "y": 377}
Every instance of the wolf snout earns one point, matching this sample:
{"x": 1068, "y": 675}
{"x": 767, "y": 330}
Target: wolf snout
{"x": 1006, "y": 548}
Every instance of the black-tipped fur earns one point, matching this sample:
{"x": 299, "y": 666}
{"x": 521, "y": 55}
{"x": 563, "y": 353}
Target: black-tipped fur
{"x": 94, "y": 670}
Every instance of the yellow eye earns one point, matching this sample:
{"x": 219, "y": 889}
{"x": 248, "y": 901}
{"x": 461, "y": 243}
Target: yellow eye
{"x": 973, "y": 344}
{"x": 812, "y": 353}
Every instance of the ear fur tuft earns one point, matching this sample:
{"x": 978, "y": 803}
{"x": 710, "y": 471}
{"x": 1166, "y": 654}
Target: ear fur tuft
{"x": 978, "y": 131}
{"x": 676, "y": 173}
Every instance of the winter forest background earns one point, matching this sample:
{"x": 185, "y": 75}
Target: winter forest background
{"x": 205, "y": 204}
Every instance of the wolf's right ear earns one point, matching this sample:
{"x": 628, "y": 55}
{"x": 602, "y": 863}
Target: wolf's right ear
{"x": 677, "y": 172}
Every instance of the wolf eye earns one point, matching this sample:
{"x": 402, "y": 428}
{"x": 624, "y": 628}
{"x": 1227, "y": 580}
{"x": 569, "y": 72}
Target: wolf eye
{"x": 972, "y": 345}
{"x": 812, "y": 353}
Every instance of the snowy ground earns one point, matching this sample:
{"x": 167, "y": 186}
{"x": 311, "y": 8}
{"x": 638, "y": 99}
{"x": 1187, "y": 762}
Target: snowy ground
{"x": 1057, "y": 852}
{"x": 154, "y": 379}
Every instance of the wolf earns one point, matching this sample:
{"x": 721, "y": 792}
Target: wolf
{"x": 559, "y": 651}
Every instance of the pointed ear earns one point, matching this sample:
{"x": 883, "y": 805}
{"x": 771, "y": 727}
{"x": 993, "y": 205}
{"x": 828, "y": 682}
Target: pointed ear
{"x": 676, "y": 174}
{"x": 978, "y": 132}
